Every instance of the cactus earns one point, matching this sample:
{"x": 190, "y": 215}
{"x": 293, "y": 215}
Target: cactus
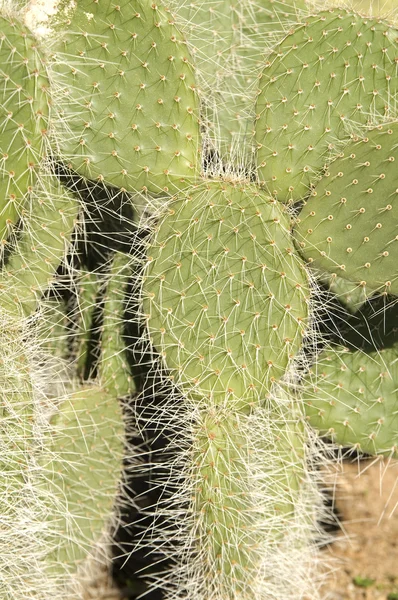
{"x": 221, "y": 279}
{"x": 328, "y": 78}
{"x": 122, "y": 85}
{"x": 24, "y": 116}
{"x": 351, "y": 397}
{"x": 343, "y": 227}
{"x": 160, "y": 110}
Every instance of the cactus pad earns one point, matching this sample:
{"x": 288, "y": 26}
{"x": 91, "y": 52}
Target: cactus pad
{"x": 47, "y": 224}
{"x": 327, "y": 78}
{"x": 241, "y": 506}
{"x": 224, "y": 293}
{"x": 80, "y": 474}
{"x": 24, "y": 111}
{"x": 113, "y": 369}
{"x": 127, "y": 96}
{"x": 349, "y": 225}
{"x": 351, "y": 396}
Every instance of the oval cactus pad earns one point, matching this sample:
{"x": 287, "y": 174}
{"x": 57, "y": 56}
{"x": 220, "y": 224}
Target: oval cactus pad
{"x": 336, "y": 73}
{"x": 351, "y": 396}
{"x": 23, "y": 116}
{"x": 349, "y": 225}
{"x": 127, "y": 96}
{"x": 225, "y": 294}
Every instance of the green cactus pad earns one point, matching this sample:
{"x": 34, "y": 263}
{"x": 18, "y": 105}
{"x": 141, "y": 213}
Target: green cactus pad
{"x": 349, "y": 224}
{"x": 48, "y": 223}
{"x": 89, "y": 287}
{"x": 226, "y": 297}
{"x": 351, "y": 397}
{"x": 227, "y": 42}
{"x": 24, "y": 110}
{"x": 80, "y": 475}
{"x": 126, "y": 93}
{"x": 230, "y": 510}
{"x": 114, "y": 370}
{"x": 328, "y": 78}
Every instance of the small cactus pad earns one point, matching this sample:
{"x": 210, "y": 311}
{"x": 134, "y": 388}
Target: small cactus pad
{"x": 326, "y": 79}
{"x": 47, "y": 225}
{"x": 228, "y": 534}
{"x": 225, "y": 295}
{"x": 351, "y": 397}
{"x": 349, "y": 224}
{"x": 114, "y": 370}
{"x": 24, "y": 110}
{"x": 126, "y": 94}
{"x": 247, "y": 492}
{"x": 80, "y": 475}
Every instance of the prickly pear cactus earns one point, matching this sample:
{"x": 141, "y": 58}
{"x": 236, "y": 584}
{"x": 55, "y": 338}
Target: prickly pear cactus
{"x": 160, "y": 111}
{"x": 324, "y": 81}
{"x": 349, "y": 225}
{"x": 351, "y": 397}
{"x": 125, "y": 89}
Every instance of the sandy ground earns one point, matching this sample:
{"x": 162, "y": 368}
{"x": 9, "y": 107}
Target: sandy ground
{"x": 367, "y": 554}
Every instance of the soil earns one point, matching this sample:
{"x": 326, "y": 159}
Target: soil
{"x": 366, "y": 552}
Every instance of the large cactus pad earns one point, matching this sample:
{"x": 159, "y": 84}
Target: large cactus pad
{"x": 349, "y": 224}
{"x": 127, "y": 96}
{"x": 332, "y": 75}
{"x": 225, "y": 294}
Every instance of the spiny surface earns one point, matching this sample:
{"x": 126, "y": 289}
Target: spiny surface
{"x": 79, "y": 476}
{"x": 350, "y": 294}
{"x": 47, "y": 225}
{"x": 351, "y": 397}
{"x": 225, "y": 295}
{"x": 114, "y": 371}
{"x": 234, "y": 528}
{"x": 227, "y": 41}
{"x": 329, "y": 77}
{"x": 16, "y": 414}
{"x": 126, "y": 96}
{"x": 349, "y": 224}
{"x": 24, "y": 109}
